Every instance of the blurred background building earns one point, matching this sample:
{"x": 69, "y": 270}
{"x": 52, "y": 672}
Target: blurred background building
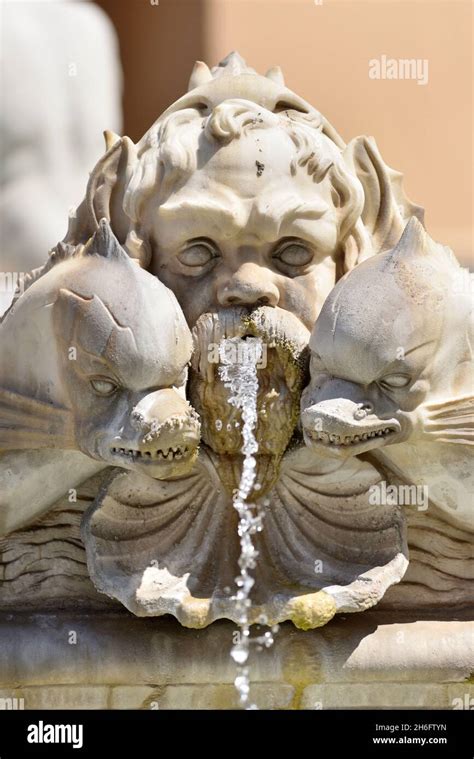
{"x": 323, "y": 46}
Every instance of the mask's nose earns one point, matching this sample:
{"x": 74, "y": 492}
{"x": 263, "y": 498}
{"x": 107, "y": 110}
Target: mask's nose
{"x": 250, "y": 285}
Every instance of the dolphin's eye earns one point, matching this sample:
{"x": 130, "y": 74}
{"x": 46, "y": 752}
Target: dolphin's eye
{"x": 395, "y": 380}
{"x": 103, "y": 386}
{"x": 294, "y": 253}
{"x": 198, "y": 253}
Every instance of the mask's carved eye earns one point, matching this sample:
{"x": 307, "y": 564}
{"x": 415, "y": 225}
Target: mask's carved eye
{"x": 391, "y": 381}
{"x": 294, "y": 253}
{"x": 198, "y": 253}
{"x": 103, "y": 386}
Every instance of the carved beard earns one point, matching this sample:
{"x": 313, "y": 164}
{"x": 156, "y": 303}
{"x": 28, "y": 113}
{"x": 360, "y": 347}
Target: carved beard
{"x": 281, "y": 379}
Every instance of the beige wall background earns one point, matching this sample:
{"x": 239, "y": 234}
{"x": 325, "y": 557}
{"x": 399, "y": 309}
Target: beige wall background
{"x": 324, "y": 49}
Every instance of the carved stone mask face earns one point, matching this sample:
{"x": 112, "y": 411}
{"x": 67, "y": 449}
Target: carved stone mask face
{"x": 124, "y": 351}
{"x": 246, "y": 230}
{"x": 248, "y": 243}
{"x": 376, "y": 348}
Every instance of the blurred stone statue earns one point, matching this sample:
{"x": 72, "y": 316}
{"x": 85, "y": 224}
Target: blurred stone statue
{"x": 61, "y": 82}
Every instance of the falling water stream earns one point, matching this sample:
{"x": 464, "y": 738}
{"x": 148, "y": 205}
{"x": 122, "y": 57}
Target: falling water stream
{"x": 238, "y": 370}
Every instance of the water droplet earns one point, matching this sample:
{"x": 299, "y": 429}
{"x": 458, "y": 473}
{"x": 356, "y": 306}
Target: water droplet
{"x": 239, "y": 654}
{"x": 241, "y": 684}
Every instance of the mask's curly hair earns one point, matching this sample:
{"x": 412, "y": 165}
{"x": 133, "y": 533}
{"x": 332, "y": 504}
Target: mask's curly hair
{"x": 182, "y": 142}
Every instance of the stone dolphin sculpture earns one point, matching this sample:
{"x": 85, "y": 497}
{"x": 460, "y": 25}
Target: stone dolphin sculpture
{"x": 392, "y": 370}
{"x": 93, "y": 374}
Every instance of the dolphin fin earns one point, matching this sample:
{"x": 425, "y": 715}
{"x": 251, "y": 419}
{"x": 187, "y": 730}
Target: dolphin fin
{"x": 29, "y": 423}
{"x": 451, "y": 421}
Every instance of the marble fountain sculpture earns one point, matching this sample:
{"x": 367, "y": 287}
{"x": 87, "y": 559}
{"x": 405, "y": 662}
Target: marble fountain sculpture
{"x": 228, "y": 225}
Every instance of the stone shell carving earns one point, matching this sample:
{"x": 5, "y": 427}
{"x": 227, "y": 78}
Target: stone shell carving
{"x": 172, "y": 547}
{"x": 44, "y": 565}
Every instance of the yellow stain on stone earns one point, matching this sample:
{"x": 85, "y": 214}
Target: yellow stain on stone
{"x": 195, "y": 612}
{"x": 312, "y": 610}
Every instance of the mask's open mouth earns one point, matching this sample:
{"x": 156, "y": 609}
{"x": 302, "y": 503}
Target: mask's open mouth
{"x": 158, "y": 455}
{"x": 280, "y": 363}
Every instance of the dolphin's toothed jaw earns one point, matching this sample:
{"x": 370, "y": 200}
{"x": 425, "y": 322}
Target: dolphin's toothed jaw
{"x": 167, "y": 454}
{"x": 171, "y": 443}
{"x": 331, "y": 439}
{"x": 332, "y": 427}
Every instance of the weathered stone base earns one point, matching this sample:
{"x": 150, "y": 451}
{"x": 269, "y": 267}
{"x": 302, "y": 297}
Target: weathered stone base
{"x": 115, "y": 661}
